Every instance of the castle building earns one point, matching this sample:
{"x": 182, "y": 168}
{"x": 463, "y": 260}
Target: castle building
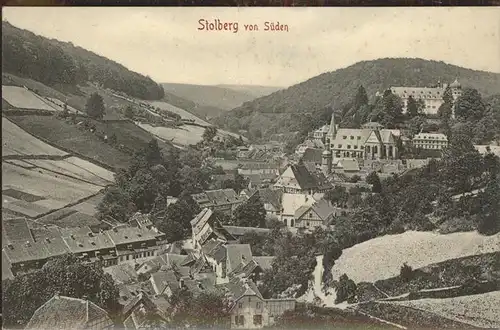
{"x": 432, "y": 96}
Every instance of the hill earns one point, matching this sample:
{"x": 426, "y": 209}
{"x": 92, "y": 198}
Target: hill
{"x": 208, "y": 101}
{"x": 255, "y": 90}
{"x": 57, "y": 63}
{"x": 276, "y": 113}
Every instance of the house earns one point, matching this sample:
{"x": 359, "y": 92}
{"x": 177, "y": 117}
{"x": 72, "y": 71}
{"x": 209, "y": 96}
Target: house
{"x": 430, "y": 141}
{"x": 237, "y": 232}
{"x": 271, "y": 198}
{"x": 292, "y": 202}
{"x": 485, "y": 149}
{"x": 165, "y": 282}
{"x": 89, "y": 246}
{"x": 141, "y": 220}
{"x": 298, "y": 179}
{"x": 347, "y": 167}
{"x": 249, "y": 310}
{"x": 154, "y": 264}
{"x": 122, "y": 273}
{"x": 205, "y": 226}
{"x": 142, "y": 312}
{"x": 318, "y": 214}
{"x": 224, "y": 259}
{"x": 223, "y": 200}
{"x": 313, "y": 156}
{"x": 249, "y": 168}
{"x": 62, "y": 312}
{"x": 258, "y": 181}
{"x": 134, "y": 243}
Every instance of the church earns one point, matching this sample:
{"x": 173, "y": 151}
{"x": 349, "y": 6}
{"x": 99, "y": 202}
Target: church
{"x": 370, "y": 142}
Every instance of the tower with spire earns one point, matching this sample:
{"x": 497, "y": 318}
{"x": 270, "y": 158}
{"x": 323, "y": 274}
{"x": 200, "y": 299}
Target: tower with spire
{"x": 332, "y": 132}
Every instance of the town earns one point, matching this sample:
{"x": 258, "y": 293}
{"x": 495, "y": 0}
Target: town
{"x": 130, "y": 204}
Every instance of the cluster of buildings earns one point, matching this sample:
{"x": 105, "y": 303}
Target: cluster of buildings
{"x": 25, "y": 249}
{"x": 211, "y": 261}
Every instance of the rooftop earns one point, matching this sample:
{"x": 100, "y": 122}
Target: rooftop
{"x": 62, "y": 312}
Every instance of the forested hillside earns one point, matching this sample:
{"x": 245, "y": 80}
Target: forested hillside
{"x": 53, "y": 62}
{"x": 276, "y": 113}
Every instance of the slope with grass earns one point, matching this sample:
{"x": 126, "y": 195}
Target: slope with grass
{"x": 388, "y": 253}
{"x": 337, "y": 88}
{"x": 254, "y": 90}
{"x": 480, "y": 310}
{"x": 17, "y": 142}
{"x": 22, "y": 98}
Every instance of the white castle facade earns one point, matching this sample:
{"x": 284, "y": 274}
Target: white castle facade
{"x": 432, "y": 96}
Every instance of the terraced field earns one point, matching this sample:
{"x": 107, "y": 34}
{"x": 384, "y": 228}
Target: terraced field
{"x": 71, "y": 137}
{"x": 481, "y": 310}
{"x": 49, "y": 185}
{"x": 22, "y": 98}
{"x": 181, "y": 112}
{"x": 16, "y": 142}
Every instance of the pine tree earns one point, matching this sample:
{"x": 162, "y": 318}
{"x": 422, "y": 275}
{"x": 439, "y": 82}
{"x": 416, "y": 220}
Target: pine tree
{"x": 95, "y": 106}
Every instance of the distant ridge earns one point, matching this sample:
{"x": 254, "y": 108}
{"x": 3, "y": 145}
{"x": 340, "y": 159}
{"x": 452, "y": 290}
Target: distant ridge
{"x": 277, "y": 113}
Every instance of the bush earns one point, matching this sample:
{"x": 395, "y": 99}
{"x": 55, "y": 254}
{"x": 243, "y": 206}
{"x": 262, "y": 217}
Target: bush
{"x": 406, "y": 272}
{"x": 346, "y": 290}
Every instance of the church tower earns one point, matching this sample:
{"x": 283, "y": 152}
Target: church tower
{"x": 332, "y": 132}
{"x": 326, "y": 162}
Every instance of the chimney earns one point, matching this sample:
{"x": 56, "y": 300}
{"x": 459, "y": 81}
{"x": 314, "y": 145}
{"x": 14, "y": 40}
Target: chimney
{"x": 28, "y": 243}
{"x": 91, "y": 234}
{"x": 10, "y": 246}
{"x": 84, "y": 297}
{"x": 47, "y": 240}
{"x": 72, "y": 236}
{"x": 181, "y": 283}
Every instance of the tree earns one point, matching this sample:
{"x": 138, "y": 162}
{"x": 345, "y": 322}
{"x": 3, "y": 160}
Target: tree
{"x": 256, "y": 241}
{"x": 251, "y": 213}
{"x": 374, "y": 180}
{"x": 416, "y": 124}
{"x": 346, "y": 290}
{"x": 411, "y": 107}
{"x": 361, "y": 98}
{"x": 470, "y": 105}
{"x": 463, "y": 166}
{"x": 209, "y": 133}
{"x": 337, "y": 196}
{"x": 488, "y": 218}
{"x": 205, "y": 310}
{"x": 175, "y": 222}
{"x": 129, "y": 112}
{"x": 115, "y": 204}
{"x": 95, "y": 106}
{"x": 406, "y": 272}
{"x": 65, "y": 275}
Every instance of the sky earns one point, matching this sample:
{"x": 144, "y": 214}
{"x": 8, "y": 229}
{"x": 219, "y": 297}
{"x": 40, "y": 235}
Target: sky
{"x": 167, "y": 45}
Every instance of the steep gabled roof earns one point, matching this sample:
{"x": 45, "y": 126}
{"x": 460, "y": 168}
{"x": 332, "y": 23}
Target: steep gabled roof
{"x": 122, "y": 273}
{"x": 264, "y": 262}
{"x": 66, "y": 313}
{"x": 312, "y": 155}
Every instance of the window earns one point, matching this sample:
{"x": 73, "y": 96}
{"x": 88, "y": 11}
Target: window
{"x": 257, "y": 319}
{"x": 340, "y": 146}
{"x": 355, "y": 147}
{"x": 240, "y": 320}
{"x": 310, "y": 214}
{"x": 258, "y": 305}
{"x": 352, "y": 137}
{"x": 345, "y": 137}
{"x": 359, "y": 137}
{"x": 348, "y": 146}
{"x": 240, "y": 305}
